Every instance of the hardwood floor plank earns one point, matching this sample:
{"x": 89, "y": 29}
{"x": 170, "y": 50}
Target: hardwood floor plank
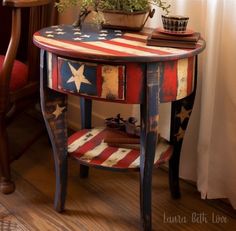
{"x": 104, "y": 201}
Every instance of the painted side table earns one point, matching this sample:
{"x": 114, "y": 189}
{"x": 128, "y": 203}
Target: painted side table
{"x": 116, "y": 66}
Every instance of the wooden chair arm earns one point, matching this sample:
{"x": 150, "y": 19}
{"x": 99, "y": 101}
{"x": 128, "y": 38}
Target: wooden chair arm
{"x": 25, "y": 3}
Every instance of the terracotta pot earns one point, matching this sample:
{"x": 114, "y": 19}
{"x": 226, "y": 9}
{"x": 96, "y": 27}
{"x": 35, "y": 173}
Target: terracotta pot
{"x": 127, "y": 21}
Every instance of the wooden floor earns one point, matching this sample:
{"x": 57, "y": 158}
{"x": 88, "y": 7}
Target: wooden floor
{"x": 105, "y": 201}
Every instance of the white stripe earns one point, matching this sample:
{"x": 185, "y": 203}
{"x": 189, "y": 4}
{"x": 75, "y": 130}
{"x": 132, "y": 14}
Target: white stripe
{"x": 161, "y": 148}
{"x": 182, "y": 75}
{"x": 49, "y": 66}
{"x": 116, "y": 156}
{"x": 155, "y": 48}
{"x": 88, "y": 156}
{"x": 83, "y": 139}
{"x": 68, "y": 46}
{"x": 135, "y": 163}
{"x": 121, "y": 48}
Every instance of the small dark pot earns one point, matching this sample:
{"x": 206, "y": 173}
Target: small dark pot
{"x": 176, "y": 24}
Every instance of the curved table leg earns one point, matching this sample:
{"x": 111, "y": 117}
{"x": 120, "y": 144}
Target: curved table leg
{"x": 149, "y": 127}
{"x": 54, "y": 112}
{"x": 86, "y": 122}
{"x": 180, "y": 114}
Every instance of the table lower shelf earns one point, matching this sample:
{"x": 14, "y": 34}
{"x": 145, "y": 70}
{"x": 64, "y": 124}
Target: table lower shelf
{"x": 89, "y": 148}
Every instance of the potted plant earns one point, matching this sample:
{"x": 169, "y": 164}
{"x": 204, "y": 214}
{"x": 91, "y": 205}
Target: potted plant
{"x": 123, "y": 14}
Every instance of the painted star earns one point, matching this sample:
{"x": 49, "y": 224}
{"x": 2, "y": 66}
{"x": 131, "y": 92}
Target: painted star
{"x": 183, "y": 114}
{"x": 101, "y": 38}
{"x": 77, "y": 76}
{"x": 77, "y": 32}
{"x": 118, "y": 34}
{"x": 48, "y": 32}
{"x": 58, "y": 111}
{"x": 59, "y": 29}
{"x": 85, "y": 36}
{"x": 50, "y": 35}
{"x": 61, "y": 32}
{"x": 103, "y": 35}
{"x": 78, "y": 38}
{"x": 103, "y": 31}
{"x": 180, "y": 134}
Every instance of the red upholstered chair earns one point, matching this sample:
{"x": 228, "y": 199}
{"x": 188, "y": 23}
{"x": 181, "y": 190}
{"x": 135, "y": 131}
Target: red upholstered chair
{"x": 19, "y": 66}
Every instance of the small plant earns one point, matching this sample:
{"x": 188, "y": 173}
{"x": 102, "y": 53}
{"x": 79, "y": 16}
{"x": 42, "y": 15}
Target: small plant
{"x": 120, "y": 5}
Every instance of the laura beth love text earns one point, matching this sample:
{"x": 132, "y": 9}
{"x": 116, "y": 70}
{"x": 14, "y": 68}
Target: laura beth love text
{"x": 195, "y": 217}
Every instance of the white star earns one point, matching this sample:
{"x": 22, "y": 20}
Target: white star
{"x": 101, "y": 38}
{"x": 50, "y": 35}
{"x": 103, "y": 31}
{"x": 48, "y": 32}
{"x": 58, "y": 29}
{"x": 58, "y": 111}
{"x": 77, "y": 76}
{"x": 118, "y": 34}
{"x": 78, "y": 38}
{"x": 76, "y": 29}
{"x": 60, "y": 32}
{"x": 102, "y": 35}
{"x": 85, "y": 36}
{"x": 77, "y": 32}
{"x": 119, "y": 31}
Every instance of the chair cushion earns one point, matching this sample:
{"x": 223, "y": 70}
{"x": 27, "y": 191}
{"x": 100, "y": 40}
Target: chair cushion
{"x": 19, "y": 74}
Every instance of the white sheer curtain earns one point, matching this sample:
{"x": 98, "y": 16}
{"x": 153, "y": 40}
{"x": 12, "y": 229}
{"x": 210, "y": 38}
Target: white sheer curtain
{"x": 209, "y": 151}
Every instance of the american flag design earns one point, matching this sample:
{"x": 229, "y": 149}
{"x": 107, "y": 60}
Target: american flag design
{"x": 98, "y": 80}
{"x": 88, "y": 147}
{"x": 111, "y": 81}
{"x": 106, "y": 42}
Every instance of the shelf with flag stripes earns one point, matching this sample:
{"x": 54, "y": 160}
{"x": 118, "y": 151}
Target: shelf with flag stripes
{"x": 89, "y": 148}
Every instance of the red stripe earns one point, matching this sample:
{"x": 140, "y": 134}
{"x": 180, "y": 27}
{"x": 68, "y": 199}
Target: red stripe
{"x": 169, "y": 81}
{"x": 147, "y": 49}
{"x": 91, "y": 46}
{"x": 77, "y": 135}
{"x": 134, "y": 82}
{"x": 190, "y": 75}
{"x": 91, "y": 144}
{"x": 104, "y": 155}
{"x": 54, "y": 72}
{"x": 165, "y": 156}
{"x": 127, "y": 160}
{"x": 134, "y": 38}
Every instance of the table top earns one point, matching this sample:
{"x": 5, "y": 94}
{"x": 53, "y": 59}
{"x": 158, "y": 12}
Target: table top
{"x": 107, "y": 44}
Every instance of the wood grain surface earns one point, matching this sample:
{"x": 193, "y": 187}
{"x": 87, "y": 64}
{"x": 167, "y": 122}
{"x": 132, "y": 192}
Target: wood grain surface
{"x": 104, "y": 201}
